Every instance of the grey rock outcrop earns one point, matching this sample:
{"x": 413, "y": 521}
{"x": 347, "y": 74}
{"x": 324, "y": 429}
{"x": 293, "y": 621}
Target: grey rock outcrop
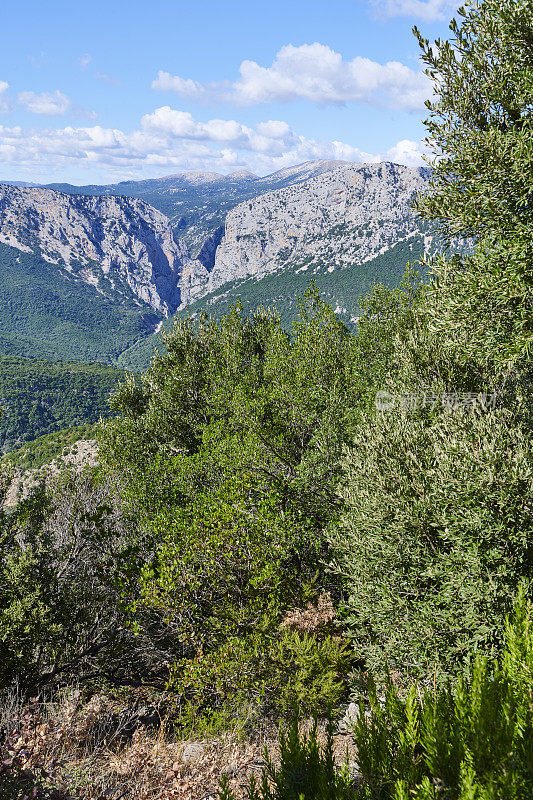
{"x": 345, "y": 216}
{"x": 120, "y": 245}
{"x": 317, "y": 216}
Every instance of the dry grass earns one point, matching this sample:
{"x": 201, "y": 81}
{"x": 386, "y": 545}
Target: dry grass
{"x": 98, "y": 750}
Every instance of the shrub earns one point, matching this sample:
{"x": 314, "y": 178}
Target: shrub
{"x": 64, "y": 559}
{"x": 305, "y": 771}
{"x": 225, "y": 570}
{"x": 472, "y": 741}
{"x": 436, "y": 536}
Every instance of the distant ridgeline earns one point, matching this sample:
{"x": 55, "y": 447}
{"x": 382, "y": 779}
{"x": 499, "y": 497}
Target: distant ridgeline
{"x": 43, "y": 397}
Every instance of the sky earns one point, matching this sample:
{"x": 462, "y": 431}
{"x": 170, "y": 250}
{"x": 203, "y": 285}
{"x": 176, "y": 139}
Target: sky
{"x": 106, "y": 90}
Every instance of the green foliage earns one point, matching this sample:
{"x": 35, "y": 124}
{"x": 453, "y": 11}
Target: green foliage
{"x": 61, "y": 565}
{"x": 436, "y": 536}
{"x": 474, "y": 740}
{"x": 43, "y": 397}
{"x": 268, "y": 671}
{"x": 471, "y": 741}
{"x": 48, "y": 314}
{"x": 305, "y": 771}
{"x": 342, "y": 288}
{"x": 240, "y": 396}
{"x": 225, "y": 568}
{"x": 229, "y": 458}
{"x": 480, "y": 120}
{"x": 481, "y": 130}
{"x": 49, "y": 447}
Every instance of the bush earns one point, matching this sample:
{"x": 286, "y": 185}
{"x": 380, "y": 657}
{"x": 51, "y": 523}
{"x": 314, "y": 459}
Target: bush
{"x": 305, "y": 771}
{"x": 473, "y": 741}
{"x": 436, "y": 536}
{"x": 225, "y": 570}
{"x": 64, "y": 559}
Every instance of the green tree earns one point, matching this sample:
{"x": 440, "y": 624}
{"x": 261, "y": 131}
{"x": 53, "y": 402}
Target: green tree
{"x": 480, "y": 129}
{"x": 438, "y": 524}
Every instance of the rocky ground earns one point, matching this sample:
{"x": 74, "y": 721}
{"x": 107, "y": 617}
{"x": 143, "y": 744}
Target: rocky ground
{"x": 79, "y": 456}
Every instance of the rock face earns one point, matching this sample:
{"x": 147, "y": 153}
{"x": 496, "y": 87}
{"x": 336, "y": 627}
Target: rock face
{"x": 346, "y": 216}
{"x": 120, "y": 245}
{"x": 321, "y": 216}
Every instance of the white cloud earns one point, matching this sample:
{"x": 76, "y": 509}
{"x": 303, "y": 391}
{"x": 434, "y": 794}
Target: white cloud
{"x": 271, "y": 136}
{"x": 50, "y": 103}
{"x": 406, "y": 152}
{"x": 4, "y": 105}
{"x": 172, "y": 140}
{"x": 427, "y": 10}
{"x": 311, "y": 72}
{"x": 184, "y": 87}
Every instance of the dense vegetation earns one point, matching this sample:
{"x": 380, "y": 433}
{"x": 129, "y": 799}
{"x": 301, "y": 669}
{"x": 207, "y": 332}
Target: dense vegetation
{"x": 473, "y": 741}
{"x": 45, "y": 449}
{"x": 286, "y": 519}
{"x": 43, "y": 397}
{"x": 47, "y": 314}
{"x": 341, "y": 289}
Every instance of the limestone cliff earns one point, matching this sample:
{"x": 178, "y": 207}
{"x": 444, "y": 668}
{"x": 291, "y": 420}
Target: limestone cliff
{"x": 120, "y": 245}
{"x": 346, "y": 216}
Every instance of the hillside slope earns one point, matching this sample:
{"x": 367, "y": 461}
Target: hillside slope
{"x": 280, "y": 290}
{"x": 46, "y": 312}
{"x": 332, "y": 221}
{"x": 121, "y": 246}
{"x": 40, "y": 397}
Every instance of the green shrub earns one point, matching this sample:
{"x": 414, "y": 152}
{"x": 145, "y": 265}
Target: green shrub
{"x": 64, "y": 555}
{"x": 474, "y": 740}
{"x": 436, "y": 536}
{"x": 471, "y": 741}
{"x": 269, "y": 672}
{"x": 305, "y": 771}
{"x": 225, "y": 570}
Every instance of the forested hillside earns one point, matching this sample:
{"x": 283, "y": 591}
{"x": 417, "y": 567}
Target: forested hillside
{"x": 46, "y": 313}
{"x": 315, "y": 522}
{"x": 42, "y": 397}
{"x": 342, "y": 289}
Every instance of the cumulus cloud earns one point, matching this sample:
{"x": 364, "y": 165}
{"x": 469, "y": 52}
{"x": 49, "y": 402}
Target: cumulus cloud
{"x": 50, "y": 103}
{"x": 311, "y": 72}
{"x": 273, "y": 136}
{"x": 183, "y": 86}
{"x": 427, "y": 10}
{"x": 169, "y": 139}
{"x": 406, "y": 152}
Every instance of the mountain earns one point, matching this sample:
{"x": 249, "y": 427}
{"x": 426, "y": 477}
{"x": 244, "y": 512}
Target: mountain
{"x": 19, "y": 183}
{"x": 48, "y": 312}
{"x": 121, "y": 246}
{"x": 93, "y": 275}
{"x": 196, "y": 203}
{"x": 326, "y": 215}
{"x": 343, "y": 217}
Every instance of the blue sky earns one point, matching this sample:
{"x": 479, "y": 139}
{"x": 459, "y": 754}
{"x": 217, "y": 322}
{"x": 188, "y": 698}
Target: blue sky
{"x": 106, "y": 90}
